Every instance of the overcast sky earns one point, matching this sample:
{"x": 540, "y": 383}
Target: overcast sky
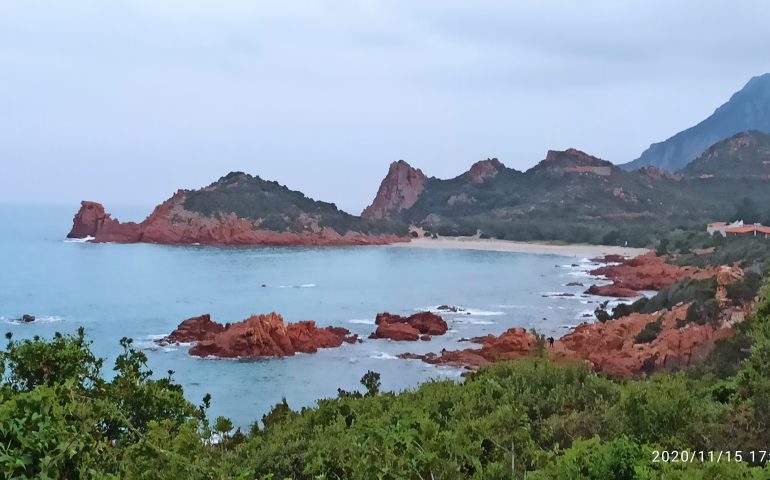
{"x": 124, "y": 102}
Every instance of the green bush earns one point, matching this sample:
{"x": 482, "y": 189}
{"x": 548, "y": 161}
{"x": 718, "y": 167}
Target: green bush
{"x": 650, "y": 331}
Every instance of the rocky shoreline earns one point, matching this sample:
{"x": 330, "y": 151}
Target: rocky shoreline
{"x": 631, "y": 345}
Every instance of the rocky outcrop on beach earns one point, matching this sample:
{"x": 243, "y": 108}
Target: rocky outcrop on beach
{"x": 422, "y": 325}
{"x": 238, "y": 209}
{"x": 645, "y": 272}
{"x": 512, "y": 344}
{"x": 617, "y": 347}
{"x": 399, "y": 190}
{"x": 258, "y": 336}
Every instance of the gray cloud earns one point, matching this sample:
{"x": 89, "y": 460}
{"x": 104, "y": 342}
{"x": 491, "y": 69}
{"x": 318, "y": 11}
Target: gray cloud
{"x": 123, "y": 102}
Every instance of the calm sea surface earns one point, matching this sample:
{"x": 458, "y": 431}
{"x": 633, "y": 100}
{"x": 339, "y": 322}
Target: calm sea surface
{"x": 144, "y": 291}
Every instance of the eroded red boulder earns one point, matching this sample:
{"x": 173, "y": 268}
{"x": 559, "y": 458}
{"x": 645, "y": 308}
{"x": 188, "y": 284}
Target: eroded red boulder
{"x": 513, "y": 343}
{"x": 256, "y": 337}
{"x": 396, "y": 327}
{"x": 194, "y": 329}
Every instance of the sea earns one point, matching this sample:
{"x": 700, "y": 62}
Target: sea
{"x": 144, "y": 291}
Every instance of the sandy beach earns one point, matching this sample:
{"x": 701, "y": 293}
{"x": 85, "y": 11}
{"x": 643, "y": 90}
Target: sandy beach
{"x": 571, "y": 250}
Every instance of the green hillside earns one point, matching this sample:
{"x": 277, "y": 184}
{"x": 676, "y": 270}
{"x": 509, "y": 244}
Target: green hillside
{"x": 278, "y": 208}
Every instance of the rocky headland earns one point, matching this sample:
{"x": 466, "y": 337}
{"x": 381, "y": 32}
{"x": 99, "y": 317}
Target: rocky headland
{"x": 238, "y": 209}
{"x": 648, "y": 272}
{"x": 258, "y": 336}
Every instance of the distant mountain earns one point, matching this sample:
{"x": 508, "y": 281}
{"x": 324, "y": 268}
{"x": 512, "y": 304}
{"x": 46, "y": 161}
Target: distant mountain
{"x": 744, "y": 155}
{"x": 238, "y": 209}
{"x": 748, "y": 109}
{"x": 575, "y": 197}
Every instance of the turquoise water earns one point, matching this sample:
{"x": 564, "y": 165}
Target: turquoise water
{"x": 144, "y": 291}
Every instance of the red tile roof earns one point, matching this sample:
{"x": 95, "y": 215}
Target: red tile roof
{"x": 748, "y": 229}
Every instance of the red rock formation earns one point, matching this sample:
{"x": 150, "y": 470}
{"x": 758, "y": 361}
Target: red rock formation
{"x": 171, "y": 223}
{"x": 256, "y": 337}
{"x": 654, "y": 173}
{"x": 400, "y": 189}
{"x": 610, "y": 347}
{"x": 611, "y": 258}
{"x": 194, "y": 329}
{"x": 92, "y": 221}
{"x": 396, "y": 331}
{"x": 512, "y": 344}
{"x": 645, "y": 272}
{"x": 484, "y": 169}
{"x": 396, "y": 327}
{"x": 611, "y": 291}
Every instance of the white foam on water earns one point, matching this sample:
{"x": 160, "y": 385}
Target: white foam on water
{"x": 383, "y": 356}
{"x": 474, "y": 322}
{"x": 365, "y": 321}
{"x": 147, "y": 345}
{"x": 462, "y": 311}
{"x": 38, "y": 319}
{"x": 303, "y": 285}
{"x": 88, "y": 238}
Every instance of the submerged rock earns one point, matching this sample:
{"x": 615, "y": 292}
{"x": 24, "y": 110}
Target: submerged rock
{"x": 447, "y": 308}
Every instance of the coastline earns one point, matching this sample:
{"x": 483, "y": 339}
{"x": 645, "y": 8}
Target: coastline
{"x": 494, "y": 245}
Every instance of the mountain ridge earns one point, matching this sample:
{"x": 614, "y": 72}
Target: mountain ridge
{"x": 747, "y": 109}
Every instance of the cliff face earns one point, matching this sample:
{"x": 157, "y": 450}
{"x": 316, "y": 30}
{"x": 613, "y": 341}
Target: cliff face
{"x": 613, "y": 348}
{"x": 484, "y": 169}
{"x": 236, "y": 210}
{"x": 399, "y": 190}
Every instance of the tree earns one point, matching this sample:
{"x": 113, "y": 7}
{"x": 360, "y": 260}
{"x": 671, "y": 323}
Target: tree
{"x": 747, "y": 211}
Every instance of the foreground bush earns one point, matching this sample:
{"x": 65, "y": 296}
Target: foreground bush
{"x": 60, "y": 418}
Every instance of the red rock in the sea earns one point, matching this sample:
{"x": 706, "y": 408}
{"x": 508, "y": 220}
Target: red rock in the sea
{"x": 645, "y": 272}
{"x": 400, "y": 189}
{"x": 171, "y": 223}
{"x": 194, "y": 329}
{"x": 611, "y": 347}
{"x": 411, "y": 328}
{"x": 512, "y": 344}
{"x": 258, "y": 336}
{"x": 92, "y": 221}
{"x": 396, "y": 331}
